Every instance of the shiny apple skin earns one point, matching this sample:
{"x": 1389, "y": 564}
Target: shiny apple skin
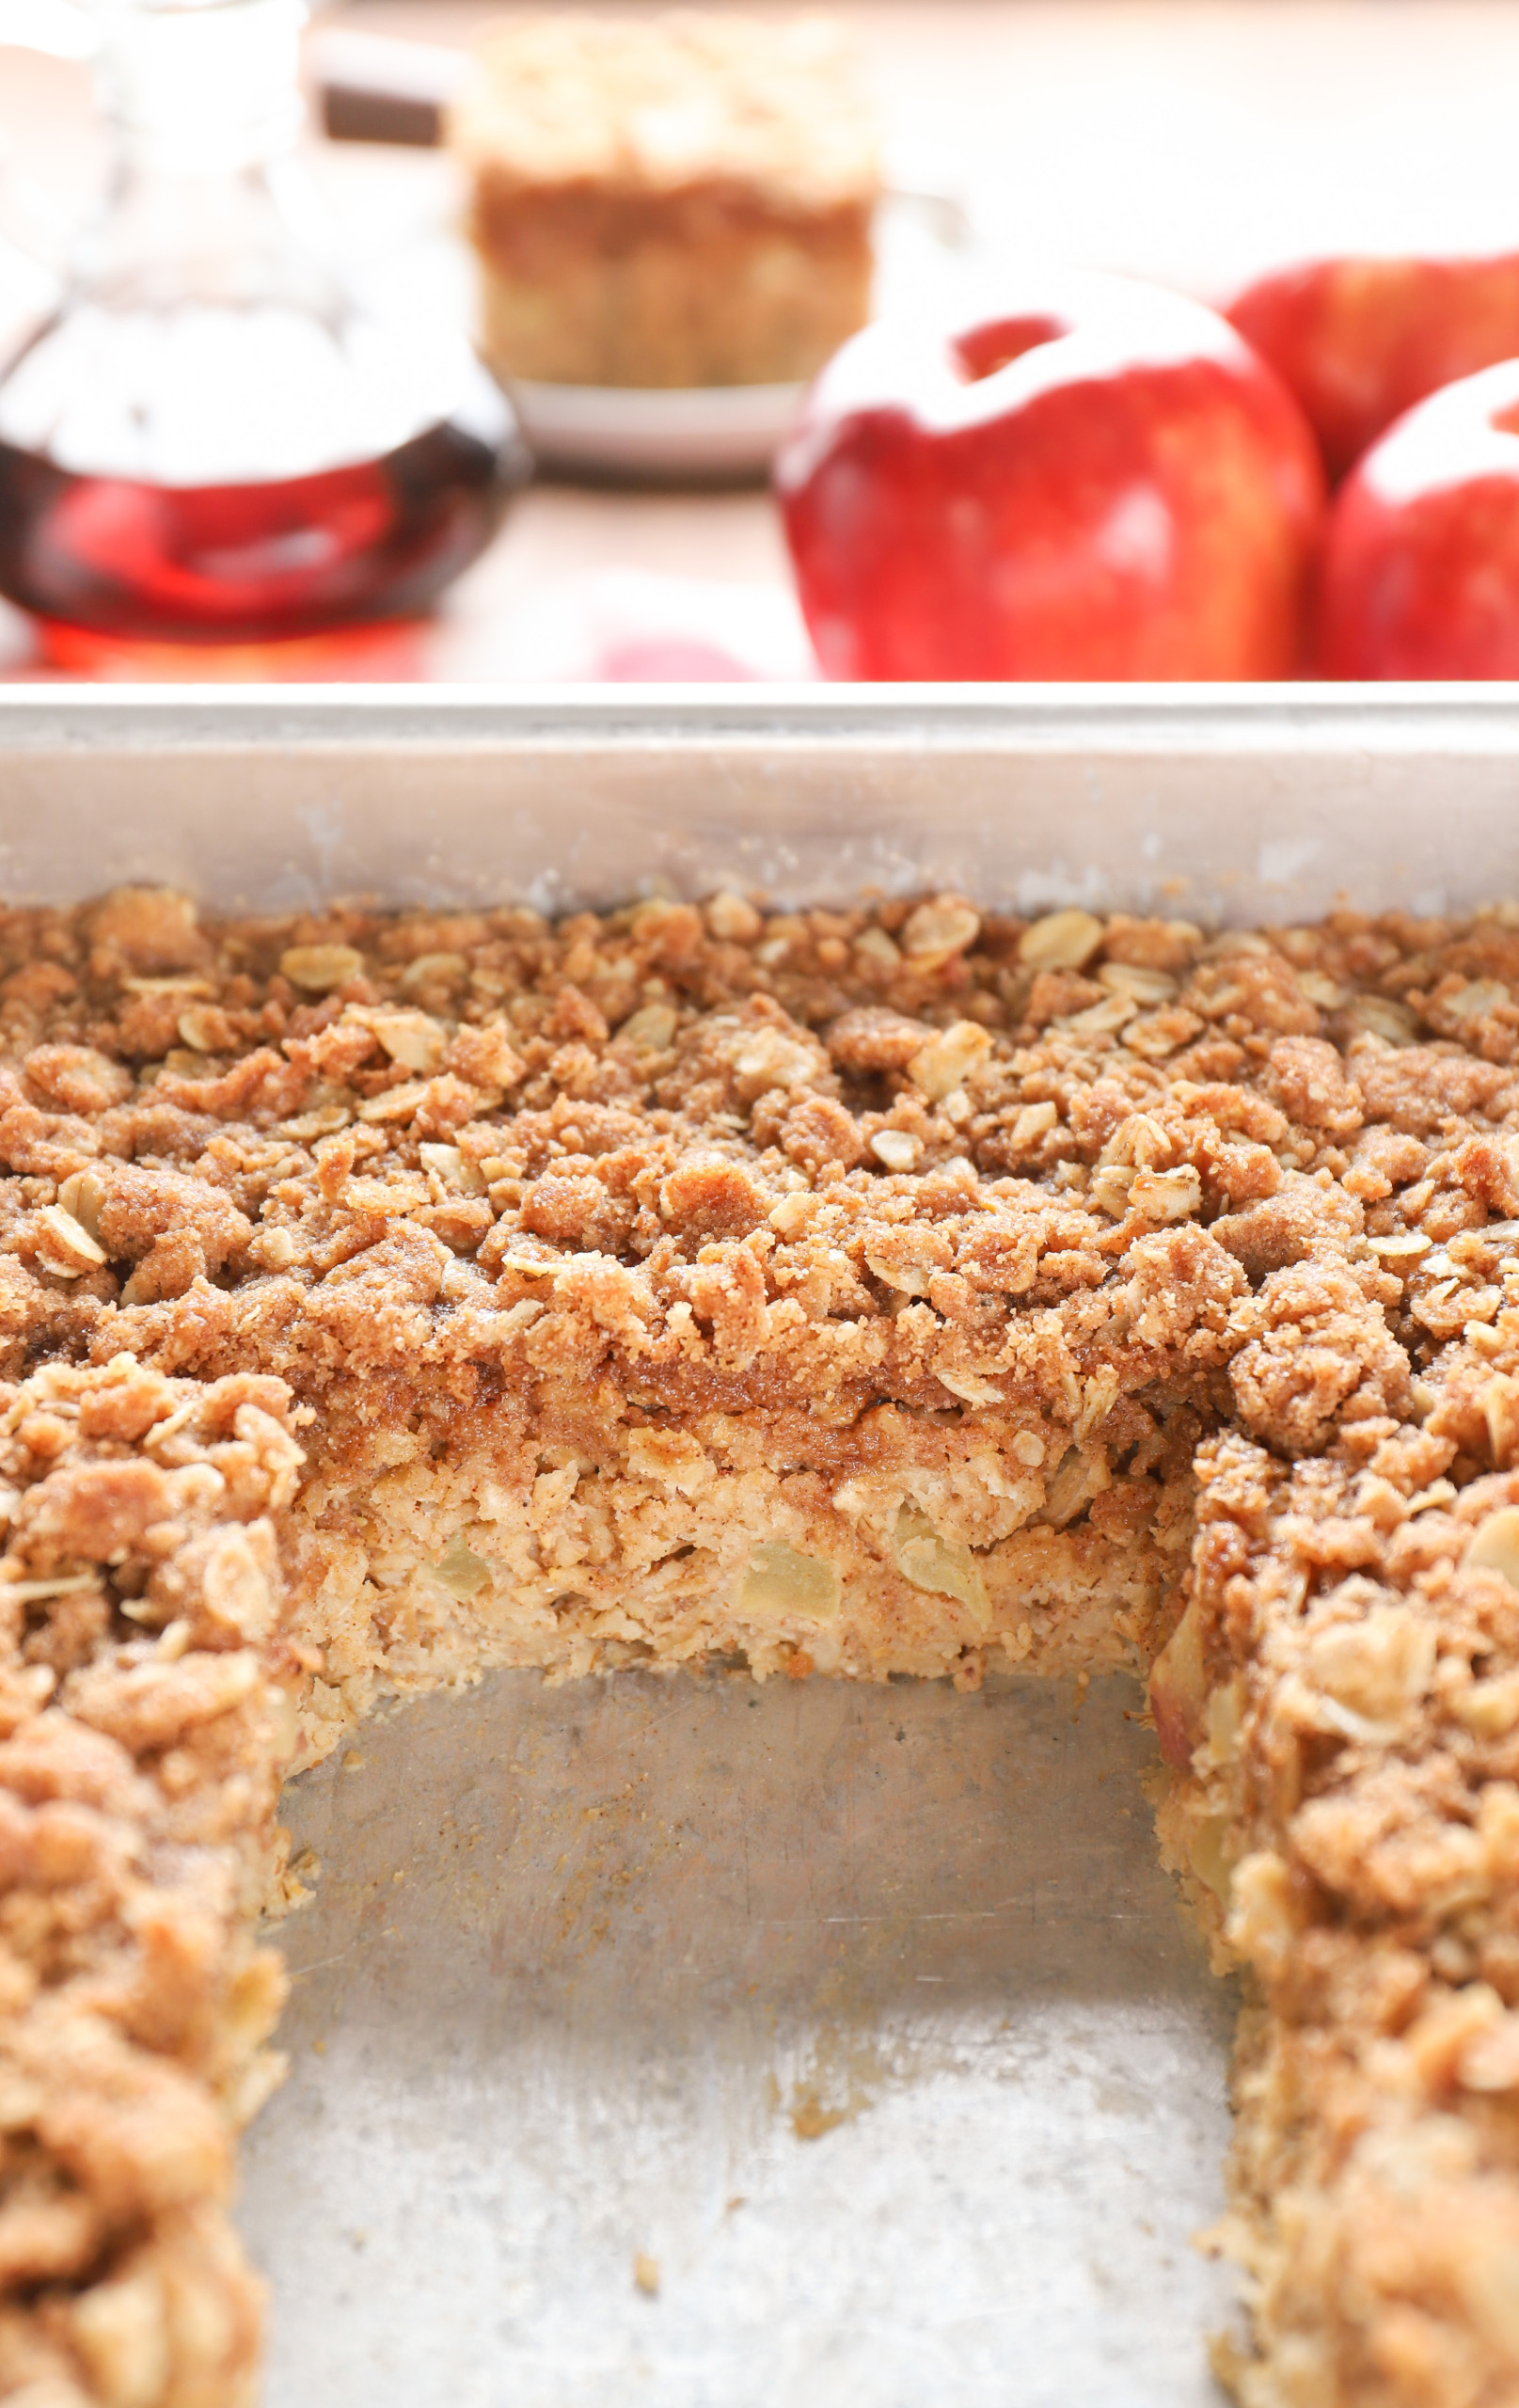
{"x": 1360, "y": 341}
{"x": 1421, "y": 564}
{"x": 1132, "y": 496}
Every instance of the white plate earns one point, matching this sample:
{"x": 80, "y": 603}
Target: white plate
{"x": 702, "y": 431}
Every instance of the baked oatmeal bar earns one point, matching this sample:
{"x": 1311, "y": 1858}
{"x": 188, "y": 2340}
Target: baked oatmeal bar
{"x": 904, "y": 1290}
{"x": 682, "y": 200}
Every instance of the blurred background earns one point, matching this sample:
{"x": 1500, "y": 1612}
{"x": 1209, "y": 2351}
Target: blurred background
{"x": 1196, "y": 142}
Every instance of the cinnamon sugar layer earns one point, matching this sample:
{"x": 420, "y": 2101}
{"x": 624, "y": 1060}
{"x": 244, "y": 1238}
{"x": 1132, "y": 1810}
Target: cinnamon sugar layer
{"x": 875, "y": 1292}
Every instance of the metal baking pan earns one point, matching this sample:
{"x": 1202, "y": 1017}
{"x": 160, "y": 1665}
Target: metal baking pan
{"x": 681, "y": 2041}
{"x": 1227, "y": 802}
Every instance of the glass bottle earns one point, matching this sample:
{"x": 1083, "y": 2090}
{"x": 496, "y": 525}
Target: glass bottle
{"x": 217, "y": 441}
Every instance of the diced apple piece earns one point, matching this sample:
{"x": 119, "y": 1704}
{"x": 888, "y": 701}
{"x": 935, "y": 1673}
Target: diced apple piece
{"x": 780, "y": 1580}
{"x": 1178, "y": 1692}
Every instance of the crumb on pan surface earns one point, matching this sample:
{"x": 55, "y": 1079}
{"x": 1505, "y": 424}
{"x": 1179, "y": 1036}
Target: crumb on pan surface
{"x": 909, "y": 1290}
{"x": 683, "y": 200}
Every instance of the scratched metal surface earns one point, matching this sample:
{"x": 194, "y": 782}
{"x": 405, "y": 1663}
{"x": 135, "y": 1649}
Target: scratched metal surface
{"x": 1227, "y": 803}
{"x": 865, "y": 2014}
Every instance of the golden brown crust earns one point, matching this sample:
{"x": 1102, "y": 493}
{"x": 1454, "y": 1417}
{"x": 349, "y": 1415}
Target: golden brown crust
{"x": 904, "y": 1290}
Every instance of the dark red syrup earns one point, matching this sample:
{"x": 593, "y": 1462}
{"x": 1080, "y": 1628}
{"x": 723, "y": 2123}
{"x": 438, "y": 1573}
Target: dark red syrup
{"x": 256, "y": 563}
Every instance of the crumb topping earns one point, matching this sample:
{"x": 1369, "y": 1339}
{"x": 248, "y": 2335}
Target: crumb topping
{"x": 640, "y": 105}
{"x": 908, "y": 1153}
{"x": 145, "y": 1714}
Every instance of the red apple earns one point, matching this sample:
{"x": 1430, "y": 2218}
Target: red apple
{"x": 1100, "y": 481}
{"x": 1360, "y": 341}
{"x": 1421, "y": 567}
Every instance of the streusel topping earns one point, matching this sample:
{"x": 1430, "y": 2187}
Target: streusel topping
{"x": 775, "y": 109}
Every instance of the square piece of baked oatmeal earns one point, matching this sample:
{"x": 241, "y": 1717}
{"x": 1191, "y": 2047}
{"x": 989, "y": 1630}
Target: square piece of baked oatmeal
{"x": 677, "y": 200}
